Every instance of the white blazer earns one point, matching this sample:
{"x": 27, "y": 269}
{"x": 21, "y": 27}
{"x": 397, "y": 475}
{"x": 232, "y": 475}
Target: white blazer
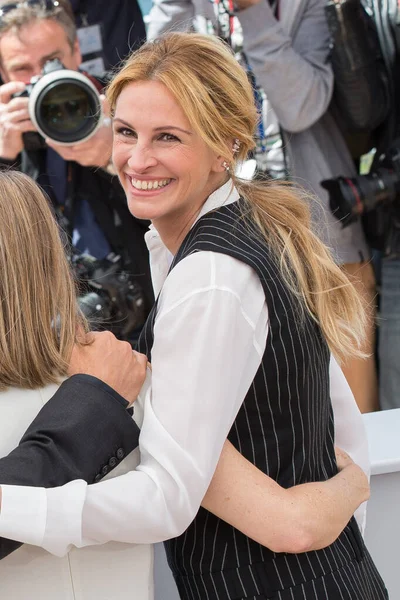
{"x": 112, "y": 571}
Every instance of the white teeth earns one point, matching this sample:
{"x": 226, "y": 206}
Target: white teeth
{"x": 149, "y": 185}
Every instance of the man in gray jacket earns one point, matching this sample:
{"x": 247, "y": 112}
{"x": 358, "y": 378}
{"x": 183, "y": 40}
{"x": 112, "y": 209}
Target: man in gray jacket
{"x": 287, "y": 47}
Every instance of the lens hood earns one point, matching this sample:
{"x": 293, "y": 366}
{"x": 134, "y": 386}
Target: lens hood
{"x": 65, "y": 107}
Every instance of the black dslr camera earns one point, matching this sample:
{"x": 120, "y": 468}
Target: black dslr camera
{"x": 64, "y": 106}
{"x": 351, "y": 197}
{"x": 375, "y": 198}
{"x": 109, "y": 296}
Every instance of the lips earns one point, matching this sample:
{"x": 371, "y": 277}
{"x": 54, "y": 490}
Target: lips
{"x": 156, "y": 184}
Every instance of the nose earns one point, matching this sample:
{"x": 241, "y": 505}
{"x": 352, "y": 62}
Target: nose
{"x": 141, "y": 158}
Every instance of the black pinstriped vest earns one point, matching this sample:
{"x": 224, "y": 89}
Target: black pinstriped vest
{"x": 284, "y": 427}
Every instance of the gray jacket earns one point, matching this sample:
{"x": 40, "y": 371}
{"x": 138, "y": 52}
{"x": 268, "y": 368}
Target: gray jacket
{"x": 289, "y": 58}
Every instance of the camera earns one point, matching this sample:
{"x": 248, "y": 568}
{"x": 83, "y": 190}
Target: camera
{"x": 109, "y": 296}
{"x": 351, "y": 198}
{"x": 64, "y": 105}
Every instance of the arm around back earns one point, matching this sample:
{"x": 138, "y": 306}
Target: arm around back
{"x": 299, "y": 519}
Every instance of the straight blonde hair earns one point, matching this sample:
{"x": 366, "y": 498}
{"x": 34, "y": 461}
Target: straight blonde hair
{"x": 39, "y": 318}
{"x": 215, "y": 94}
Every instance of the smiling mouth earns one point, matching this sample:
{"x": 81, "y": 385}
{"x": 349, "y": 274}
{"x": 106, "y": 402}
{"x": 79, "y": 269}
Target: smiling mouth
{"x": 139, "y": 184}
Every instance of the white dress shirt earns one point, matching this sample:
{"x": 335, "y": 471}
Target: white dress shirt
{"x": 209, "y": 338}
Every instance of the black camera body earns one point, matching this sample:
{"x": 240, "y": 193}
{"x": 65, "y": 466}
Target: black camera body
{"x": 351, "y": 197}
{"x": 109, "y": 296}
{"x": 375, "y": 198}
{"x": 64, "y": 105}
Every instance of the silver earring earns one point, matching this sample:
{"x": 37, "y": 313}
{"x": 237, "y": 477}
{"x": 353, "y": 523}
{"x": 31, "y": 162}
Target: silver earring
{"x": 225, "y": 165}
{"x": 236, "y": 146}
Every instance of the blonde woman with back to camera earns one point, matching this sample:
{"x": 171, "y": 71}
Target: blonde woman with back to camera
{"x": 38, "y": 324}
{"x": 250, "y": 311}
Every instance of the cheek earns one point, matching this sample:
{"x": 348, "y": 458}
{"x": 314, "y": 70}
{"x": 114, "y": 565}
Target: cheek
{"x": 120, "y": 155}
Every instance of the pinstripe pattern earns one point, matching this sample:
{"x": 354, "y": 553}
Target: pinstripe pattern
{"x": 285, "y": 427}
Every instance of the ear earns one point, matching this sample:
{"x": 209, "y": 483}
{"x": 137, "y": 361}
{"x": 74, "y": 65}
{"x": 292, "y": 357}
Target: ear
{"x": 219, "y": 164}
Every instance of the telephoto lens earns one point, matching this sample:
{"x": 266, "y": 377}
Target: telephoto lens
{"x": 64, "y": 105}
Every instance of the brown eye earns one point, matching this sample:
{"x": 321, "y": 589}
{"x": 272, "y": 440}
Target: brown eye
{"x": 168, "y": 137}
{"x": 124, "y": 131}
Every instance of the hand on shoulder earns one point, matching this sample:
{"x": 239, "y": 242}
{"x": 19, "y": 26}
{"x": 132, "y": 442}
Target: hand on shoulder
{"x": 111, "y": 361}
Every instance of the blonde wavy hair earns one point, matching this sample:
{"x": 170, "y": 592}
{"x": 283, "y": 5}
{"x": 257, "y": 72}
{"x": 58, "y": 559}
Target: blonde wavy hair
{"x": 39, "y": 318}
{"x": 214, "y": 92}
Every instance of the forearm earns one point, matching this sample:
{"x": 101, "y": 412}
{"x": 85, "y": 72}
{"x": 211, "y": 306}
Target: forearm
{"x": 299, "y": 519}
{"x": 327, "y": 507}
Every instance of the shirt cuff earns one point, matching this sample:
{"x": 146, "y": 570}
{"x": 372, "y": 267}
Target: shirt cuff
{"x": 23, "y": 514}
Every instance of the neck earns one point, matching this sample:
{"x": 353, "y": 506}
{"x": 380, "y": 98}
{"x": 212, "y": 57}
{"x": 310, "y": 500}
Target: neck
{"x": 173, "y": 228}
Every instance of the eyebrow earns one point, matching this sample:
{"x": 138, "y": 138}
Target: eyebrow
{"x": 54, "y": 54}
{"x": 27, "y": 65}
{"x": 18, "y": 65}
{"x": 165, "y": 128}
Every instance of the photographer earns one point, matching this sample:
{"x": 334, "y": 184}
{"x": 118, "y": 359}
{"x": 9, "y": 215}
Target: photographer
{"x": 286, "y": 44}
{"x": 85, "y": 195}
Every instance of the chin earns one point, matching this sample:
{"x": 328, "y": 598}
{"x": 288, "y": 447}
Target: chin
{"x": 140, "y": 211}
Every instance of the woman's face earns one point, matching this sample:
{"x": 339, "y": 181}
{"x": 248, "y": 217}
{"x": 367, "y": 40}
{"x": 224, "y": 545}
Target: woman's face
{"x": 166, "y": 169}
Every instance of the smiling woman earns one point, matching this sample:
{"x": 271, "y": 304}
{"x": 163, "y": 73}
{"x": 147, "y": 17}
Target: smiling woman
{"x": 166, "y": 169}
{"x": 184, "y": 115}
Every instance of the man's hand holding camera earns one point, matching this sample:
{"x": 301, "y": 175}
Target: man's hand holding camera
{"x": 14, "y": 120}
